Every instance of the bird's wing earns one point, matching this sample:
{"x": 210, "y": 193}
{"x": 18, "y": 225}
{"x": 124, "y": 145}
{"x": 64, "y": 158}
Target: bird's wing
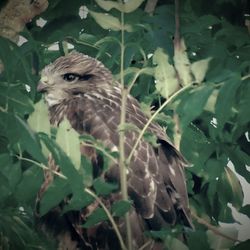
{"x": 155, "y": 180}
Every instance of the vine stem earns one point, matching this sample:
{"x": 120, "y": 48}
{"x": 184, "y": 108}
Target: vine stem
{"x": 111, "y": 219}
{"x": 122, "y": 160}
{"x": 170, "y": 99}
{"x": 41, "y": 166}
{"x": 212, "y": 228}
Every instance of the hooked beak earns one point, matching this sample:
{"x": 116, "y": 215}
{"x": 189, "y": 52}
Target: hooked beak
{"x": 42, "y": 85}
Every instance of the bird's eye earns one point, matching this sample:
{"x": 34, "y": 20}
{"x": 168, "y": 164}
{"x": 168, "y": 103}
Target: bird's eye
{"x": 70, "y": 77}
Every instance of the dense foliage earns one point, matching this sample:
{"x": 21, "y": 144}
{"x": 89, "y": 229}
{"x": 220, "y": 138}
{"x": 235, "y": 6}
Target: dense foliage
{"x": 208, "y": 117}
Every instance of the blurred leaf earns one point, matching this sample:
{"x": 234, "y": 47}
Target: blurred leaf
{"x": 56, "y": 192}
{"x": 15, "y": 100}
{"x": 97, "y": 216}
{"x": 151, "y": 139}
{"x": 30, "y": 184}
{"x": 218, "y": 242}
{"x": 120, "y": 208}
{"x": 127, "y": 7}
{"x": 242, "y": 245}
{"x": 175, "y": 244}
{"x": 128, "y": 127}
{"x": 104, "y": 188}
{"x": 245, "y": 210}
{"x": 86, "y": 171}
{"x": 29, "y": 141}
{"x": 166, "y": 79}
{"x": 198, "y": 240}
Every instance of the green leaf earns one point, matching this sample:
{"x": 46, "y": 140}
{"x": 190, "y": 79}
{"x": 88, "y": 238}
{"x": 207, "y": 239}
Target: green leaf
{"x": 77, "y": 203}
{"x": 192, "y": 106}
{"x": 127, "y": 7}
{"x": 128, "y": 127}
{"x": 86, "y": 171}
{"x": 166, "y": 79}
{"x": 107, "y": 22}
{"x": 104, "y": 188}
{"x": 75, "y": 179}
{"x": 237, "y": 192}
{"x": 120, "y": 208}
{"x": 218, "y": 242}
{"x": 199, "y": 69}
{"x": 182, "y": 64}
{"x": 15, "y": 100}
{"x": 97, "y": 216}
{"x": 198, "y": 240}
{"x": 68, "y": 139}
{"x": 30, "y": 184}
{"x": 224, "y": 104}
{"x": 29, "y": 141}
{"x": 151, "y": 138}
{"x": 39, "y": 119}
{"x": 55, "y": 193}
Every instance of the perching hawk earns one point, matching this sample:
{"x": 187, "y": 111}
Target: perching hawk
{"x": 81, "y": 89}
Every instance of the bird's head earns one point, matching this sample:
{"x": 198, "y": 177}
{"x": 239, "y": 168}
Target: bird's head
{"x": 73, "y": 75}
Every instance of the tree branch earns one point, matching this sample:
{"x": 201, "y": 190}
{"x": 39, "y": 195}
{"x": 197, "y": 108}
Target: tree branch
{"x": 150, "y": 6}
{"x": 122, "y": 159}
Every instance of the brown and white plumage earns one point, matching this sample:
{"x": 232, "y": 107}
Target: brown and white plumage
{"x": 81, "y": 89}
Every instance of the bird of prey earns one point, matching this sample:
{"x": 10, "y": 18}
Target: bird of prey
{"x": 81, "y": 89}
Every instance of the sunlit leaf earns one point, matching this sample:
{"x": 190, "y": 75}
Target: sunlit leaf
{"x": 68, "y": 139}
{"x": 107, "y": 22}
{"x": 39, "y": 119}
{"x": 182, "y": 64}
{"x": 127, "y": 7}
{"x": 199, "y": 69}
{"x": 165, "y": 75}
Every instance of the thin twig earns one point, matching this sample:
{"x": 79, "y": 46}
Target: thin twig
{"x": 100, "y": 149}
{"x": 170, "y": 99}
{"x": 245, "y": 77}
{"x": 111, "y": 219}
{"x": 146, "y": 244}
{"x": 41, "y": 166}
{"x": 213, "y": 228}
